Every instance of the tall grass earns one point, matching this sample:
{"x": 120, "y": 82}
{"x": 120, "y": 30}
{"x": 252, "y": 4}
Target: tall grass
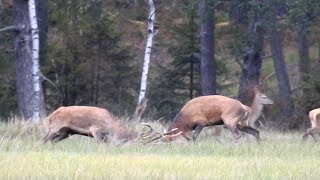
{"x": 278, "y": 156}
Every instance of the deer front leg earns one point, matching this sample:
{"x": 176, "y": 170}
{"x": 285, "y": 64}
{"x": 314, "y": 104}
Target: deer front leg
{"x": 46, "y": 138}
{"x": 99, "y": 134}
{"x": 197, "y": 132}
{"x": 56, "y": 136}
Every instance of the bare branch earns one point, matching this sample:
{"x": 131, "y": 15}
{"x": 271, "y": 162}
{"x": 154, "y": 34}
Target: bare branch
{"x": 61, "y": 93}
{"x": 269, "y": 76}
{"x": 240, "y": 64}
{"x": 265, "y": 57}
{"x": 9, "y": 28}
{"x": 45, "y": 78}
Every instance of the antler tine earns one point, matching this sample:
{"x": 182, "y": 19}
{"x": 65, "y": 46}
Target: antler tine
{"x": 170, "y": 131}
{"x": 148, "y": 125}
{"x": 147, "y": 134}
{"x": 151, "y": 132}
{"x": 158, "y": 136}
{"x": 145, "y": 140}
{"x": 164, "y": 134}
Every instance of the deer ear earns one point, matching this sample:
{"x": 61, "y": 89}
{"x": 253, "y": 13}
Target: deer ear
{"x": 256, "y": 89}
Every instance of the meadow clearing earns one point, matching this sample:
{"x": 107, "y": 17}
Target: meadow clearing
{"x": 278, "y": 156}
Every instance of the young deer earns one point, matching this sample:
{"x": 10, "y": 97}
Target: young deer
{"x": 259, "y": 100}
{"x": 85, "y": 120}
{"x": 314, "y": 116}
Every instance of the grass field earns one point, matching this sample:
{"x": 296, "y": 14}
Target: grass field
{"x": 278, "y": 156}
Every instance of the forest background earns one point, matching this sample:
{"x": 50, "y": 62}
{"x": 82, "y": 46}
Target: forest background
{"x": 91, "y": 53}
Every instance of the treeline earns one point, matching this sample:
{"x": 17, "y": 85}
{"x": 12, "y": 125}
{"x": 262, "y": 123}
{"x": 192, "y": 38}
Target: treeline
{"x": 91, "y": 53}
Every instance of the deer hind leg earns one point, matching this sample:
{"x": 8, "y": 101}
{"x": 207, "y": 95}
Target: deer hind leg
{"x": 234, "y": 131}
{"x": 311, "y": 132}
{"x": 231, "y": 125}
{"x": 305, "y": 136}
{"x": 249, "y": 130}
{"x": 314, "y": 129}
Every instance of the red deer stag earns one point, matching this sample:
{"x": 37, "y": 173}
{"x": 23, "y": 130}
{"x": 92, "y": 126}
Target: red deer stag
{"x": 209, "y": 111}
{"x": 84, "y": 120}
{"x": 314, "y": 116}
{"x": 255, "y": 110}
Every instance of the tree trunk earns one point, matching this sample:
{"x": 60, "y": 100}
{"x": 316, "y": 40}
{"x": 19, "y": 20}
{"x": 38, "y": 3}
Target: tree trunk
{"x": 303, "y": 45}
{"x": 147, "y": 54}
{"x": 143, "y": 88}
{"x": 23, "y": 65}
{"x": 252, "y": 62}
{"x": 318, "y": 51}
{"x": 208, "y": 65}
{"x": 42, "y": 19}
{"x": 280, "y": 67}
{"x": 37, "y": 104}
{"x": 28, "y": 87}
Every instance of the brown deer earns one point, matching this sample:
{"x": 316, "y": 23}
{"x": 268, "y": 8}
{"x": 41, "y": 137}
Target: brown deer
{"x": 85, "y": 120}
{"x": 255, "y": 110}
{"x": 314, "y": 116}
{"x": 259, "y": 100}
{"x": 206, "y": 111}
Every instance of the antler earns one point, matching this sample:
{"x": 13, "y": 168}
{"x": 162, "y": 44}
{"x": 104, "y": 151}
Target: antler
{"x": 144, "y": 137}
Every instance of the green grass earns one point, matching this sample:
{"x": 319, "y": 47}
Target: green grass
{"x": 278, "y": 156}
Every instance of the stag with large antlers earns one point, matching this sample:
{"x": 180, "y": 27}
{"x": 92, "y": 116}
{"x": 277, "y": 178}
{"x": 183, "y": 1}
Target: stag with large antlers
{"x": 314, "y": 116}
{"x": 206, "y": 111}
{"x": 85, "y": 120}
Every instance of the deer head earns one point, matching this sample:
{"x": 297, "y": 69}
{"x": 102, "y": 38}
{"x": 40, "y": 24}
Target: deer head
{"x": 261, "y": 98}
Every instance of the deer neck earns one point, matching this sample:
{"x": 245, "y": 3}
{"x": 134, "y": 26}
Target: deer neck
{"x": 177, "y": 122}
{"x": 256, "y": 110}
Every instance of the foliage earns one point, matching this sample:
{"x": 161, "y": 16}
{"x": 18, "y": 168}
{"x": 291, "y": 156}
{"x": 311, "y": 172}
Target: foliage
{"x": 171, "y": 90}
{"x": 8, "y": 100}
{"x": 86, "y": 61}
{"x": 91, "y": 45}
{"x": 304, "y": 12}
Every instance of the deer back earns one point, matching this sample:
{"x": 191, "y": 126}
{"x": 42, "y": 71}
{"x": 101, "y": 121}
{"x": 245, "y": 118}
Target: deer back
{"x": 207, "y": 110}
